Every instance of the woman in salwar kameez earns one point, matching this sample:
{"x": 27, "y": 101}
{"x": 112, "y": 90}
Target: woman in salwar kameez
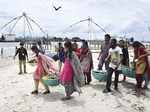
{"x": 45, "y": 65}
{"x": 71, "y": 75}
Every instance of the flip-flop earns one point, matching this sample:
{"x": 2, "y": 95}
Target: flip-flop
{"x": 34, "y": 92}
{"x": 66, "y": 98}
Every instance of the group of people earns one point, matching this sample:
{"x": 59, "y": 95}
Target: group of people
{"x": 78, "y": 63}
{"x": 114, "y": 55}
{"x": 84, "y": 55}
{"x": 23, "y": 55}
{"x": 71, "y": 75}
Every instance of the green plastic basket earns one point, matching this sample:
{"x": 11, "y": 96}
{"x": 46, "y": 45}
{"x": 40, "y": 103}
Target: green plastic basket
{"x": 99, "y": 75}
{"x": 129, "y": 72}
{"x": 51, "y": 81}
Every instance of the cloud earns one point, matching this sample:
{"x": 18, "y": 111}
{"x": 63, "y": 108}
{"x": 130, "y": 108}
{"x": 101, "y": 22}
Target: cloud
{"x": 116, "y": 16}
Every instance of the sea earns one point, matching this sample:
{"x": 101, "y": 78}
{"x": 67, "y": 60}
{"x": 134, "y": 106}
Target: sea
{"x": 7, "y": 49}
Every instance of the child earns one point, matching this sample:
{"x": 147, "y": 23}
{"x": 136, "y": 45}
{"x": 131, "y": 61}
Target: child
{"x": 22, "y": 55}
{"x": 71, "y": 76}
{"x": 45, "y": 66}
{"x": 115, "y": 60}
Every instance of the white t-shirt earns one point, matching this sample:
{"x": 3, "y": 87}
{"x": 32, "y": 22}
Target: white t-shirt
{"x": 115, "y": 57}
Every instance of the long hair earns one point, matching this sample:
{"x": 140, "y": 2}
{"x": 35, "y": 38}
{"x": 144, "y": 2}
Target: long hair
{"x": 68, "y": 45}
{"x": 137, "y": 44}
{"x": 84, "y": 44}
{"x": 35, "y": 49}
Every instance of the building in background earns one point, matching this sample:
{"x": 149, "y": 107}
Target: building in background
{"x": 9, "y": 37}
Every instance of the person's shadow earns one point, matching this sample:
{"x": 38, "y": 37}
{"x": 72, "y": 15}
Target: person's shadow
{"x": 52, "y": 97}
{"x": 75, "y": 102}
{"x": 57, "y": 96}
{"x": 98, "y": 85}
{"x": 128, "y": 85}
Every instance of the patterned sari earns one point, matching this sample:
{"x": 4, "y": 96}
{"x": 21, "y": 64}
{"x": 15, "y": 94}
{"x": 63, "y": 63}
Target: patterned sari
{"x": 72, "y": 77}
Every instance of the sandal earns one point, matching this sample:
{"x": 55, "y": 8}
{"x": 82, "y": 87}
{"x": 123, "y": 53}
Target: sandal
{"x": 34, "y": 92}
{"x": 46, "y": 92}
{"x": 66, "y": 98}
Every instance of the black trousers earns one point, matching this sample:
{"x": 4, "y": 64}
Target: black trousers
{"x": 109, "y": 78}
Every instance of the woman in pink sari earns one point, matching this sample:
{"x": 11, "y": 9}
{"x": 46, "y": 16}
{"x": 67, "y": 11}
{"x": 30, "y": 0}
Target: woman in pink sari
{"x": 71, "y": 76}
{"x": 45, "y": 66}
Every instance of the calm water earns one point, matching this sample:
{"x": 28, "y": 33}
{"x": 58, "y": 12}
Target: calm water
{"x": 8, "y": 48}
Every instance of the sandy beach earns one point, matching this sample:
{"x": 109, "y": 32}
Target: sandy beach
{"x": 15, "y": 95}
{"x": 49, "y": 22}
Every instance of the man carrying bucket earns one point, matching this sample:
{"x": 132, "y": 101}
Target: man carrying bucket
{"x": 104, "y": 53}
{"x": 115, "y": 54}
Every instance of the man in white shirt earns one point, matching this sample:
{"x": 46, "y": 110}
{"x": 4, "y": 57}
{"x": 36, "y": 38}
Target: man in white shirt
{"x": 115, "y": 56}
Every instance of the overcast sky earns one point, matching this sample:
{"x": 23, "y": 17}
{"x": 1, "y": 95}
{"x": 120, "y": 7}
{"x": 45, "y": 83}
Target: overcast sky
{"x": 117, "y": 17}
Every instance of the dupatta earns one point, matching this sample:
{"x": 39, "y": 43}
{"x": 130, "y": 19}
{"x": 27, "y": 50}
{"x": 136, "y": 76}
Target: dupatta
{"x": 78, "y": 72}
{"x": 49, "y": 65}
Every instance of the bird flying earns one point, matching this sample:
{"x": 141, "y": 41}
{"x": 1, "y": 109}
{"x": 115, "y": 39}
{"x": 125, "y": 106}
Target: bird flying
{"x": 57, "y": 8}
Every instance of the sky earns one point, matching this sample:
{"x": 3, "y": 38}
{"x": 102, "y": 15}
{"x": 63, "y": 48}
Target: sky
{"x": 117, "y": 17}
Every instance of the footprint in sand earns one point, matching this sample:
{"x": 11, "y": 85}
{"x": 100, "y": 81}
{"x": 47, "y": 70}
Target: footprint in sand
{"x": 15, "y": 111}
{"x": 14, "y": 82}
{"x": 138, "y": 107}
{"x": 93, "y": 95}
